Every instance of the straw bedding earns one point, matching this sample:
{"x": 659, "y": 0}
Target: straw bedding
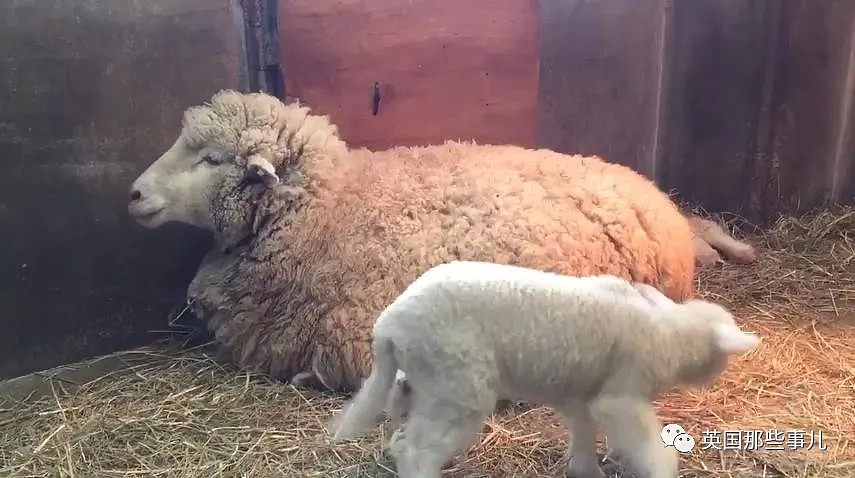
{"x": 180, "y": 413}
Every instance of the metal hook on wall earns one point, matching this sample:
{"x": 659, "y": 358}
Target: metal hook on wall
{"x": 375, "y": 99}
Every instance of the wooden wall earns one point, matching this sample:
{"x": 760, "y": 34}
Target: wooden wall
{"x": 446, "y": 68}
{"x": 600, "y": 71}
{"x": 738, "y": 105}
{"x": 91, "y": 92}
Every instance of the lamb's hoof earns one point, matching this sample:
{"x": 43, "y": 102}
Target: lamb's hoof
{"x": 611, "y": 464}
{"x": 585, "y": 472}
{"x": 605, "y": 465}
{"x": 504, "y": 406}
{"x": 397, "y": 436}
{"x": 396, "y": 445}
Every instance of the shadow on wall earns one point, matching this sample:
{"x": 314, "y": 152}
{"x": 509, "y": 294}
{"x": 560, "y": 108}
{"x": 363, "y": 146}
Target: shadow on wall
{"x": 91, "y": 92}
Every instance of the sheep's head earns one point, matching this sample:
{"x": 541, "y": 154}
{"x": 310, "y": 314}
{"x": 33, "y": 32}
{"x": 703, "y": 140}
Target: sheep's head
{"x": 231, "y": 152}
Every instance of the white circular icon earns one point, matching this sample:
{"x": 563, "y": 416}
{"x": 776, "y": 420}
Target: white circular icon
{"x": 669, "y": 432}
{"x": 684, "y": 443}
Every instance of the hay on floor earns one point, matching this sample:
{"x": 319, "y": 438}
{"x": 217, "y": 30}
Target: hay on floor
{"x": 181, "y": 414}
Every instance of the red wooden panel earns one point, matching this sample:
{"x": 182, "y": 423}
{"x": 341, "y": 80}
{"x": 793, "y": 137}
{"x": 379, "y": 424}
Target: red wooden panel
{"x": 447, "y": 69}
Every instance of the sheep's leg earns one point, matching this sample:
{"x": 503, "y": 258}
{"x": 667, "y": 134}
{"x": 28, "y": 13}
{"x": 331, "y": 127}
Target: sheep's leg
{"x": 433, "y": 434}
{"x": 306, "y": 380}
{"x": 705, "y": 255}
{"x": 711, "y": 233}
{"x": 583, "y": 448}
{"x": 634, "y": 432}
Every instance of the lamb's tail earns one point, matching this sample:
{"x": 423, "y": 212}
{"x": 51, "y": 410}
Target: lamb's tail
{"x": 362, "y": 411}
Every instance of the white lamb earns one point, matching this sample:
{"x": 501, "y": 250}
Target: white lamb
{"x": 597, "y": 348}
{"x": 401, "y": 397}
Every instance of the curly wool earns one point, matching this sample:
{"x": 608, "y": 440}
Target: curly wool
{"x": 257, "y": 123}
{"x": 347, "y": 230}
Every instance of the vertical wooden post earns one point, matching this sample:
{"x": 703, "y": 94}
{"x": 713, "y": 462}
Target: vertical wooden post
{"x": 262, "y": 44}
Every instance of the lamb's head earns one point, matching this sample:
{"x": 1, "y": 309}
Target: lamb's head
{"x": 232, "y": 152}
{"x": 723, "y": 335}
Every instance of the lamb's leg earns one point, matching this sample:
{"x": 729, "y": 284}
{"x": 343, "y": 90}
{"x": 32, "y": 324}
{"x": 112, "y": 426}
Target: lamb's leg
{"x": 400, "y": 401}
{"x": 583, "y": 450}
{"x": 634, "y": 432}
{"x": 435, "y": 432}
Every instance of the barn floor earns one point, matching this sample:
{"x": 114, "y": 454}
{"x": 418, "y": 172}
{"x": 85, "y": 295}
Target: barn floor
{"x": 180, "y": 414}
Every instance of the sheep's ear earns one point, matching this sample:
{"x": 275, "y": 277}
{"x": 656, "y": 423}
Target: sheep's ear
{"x": 262, "y": 168}
{"x": 733, "y": 341}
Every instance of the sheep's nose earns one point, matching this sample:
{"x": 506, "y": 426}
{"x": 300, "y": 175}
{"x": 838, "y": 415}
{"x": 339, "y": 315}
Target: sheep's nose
{"x": 136, "y": 195}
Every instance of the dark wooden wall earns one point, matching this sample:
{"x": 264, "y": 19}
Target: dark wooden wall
{"x": 600, "y": 72}
{"x": 738, "y": 105}
{"x": 808, "y": 153}
{"x": 717, "y": 55}
{"x": 91, "y": 92}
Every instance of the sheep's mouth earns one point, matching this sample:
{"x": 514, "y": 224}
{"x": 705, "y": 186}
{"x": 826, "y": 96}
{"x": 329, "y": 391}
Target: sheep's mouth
{"x": 145, "y": 217}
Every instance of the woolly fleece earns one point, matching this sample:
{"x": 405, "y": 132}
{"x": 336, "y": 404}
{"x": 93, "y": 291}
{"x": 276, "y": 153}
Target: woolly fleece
{"x": 304, "y": 268}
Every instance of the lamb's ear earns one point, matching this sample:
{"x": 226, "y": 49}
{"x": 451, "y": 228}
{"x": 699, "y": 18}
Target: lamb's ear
{"x": 262, "y": 168}
{"x": 653, "y": 295}
{"x": 733, "y": 341}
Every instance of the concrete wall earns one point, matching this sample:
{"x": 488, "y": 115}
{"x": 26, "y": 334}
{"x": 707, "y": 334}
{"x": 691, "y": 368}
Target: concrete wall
{"x": 91, "y": 91}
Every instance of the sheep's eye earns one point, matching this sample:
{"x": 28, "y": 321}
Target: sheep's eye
{"x": 209, "y": 158}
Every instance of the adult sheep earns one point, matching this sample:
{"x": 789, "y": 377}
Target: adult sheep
{"x": 314, "y": 239}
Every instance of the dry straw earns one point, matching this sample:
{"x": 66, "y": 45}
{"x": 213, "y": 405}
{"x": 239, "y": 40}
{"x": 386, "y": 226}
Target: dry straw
{"x": 181, "y": 414}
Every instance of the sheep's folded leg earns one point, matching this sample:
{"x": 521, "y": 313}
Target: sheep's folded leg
{"x": 306, "y": 379}
{"x": 705, "y": 255}
{"x": 718, "y": 239}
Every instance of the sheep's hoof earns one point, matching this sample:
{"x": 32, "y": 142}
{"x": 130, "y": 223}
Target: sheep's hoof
{"x": 223, "y": 355}
{"x": 741, "y": 254}
{"x": 306, "y": 380}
